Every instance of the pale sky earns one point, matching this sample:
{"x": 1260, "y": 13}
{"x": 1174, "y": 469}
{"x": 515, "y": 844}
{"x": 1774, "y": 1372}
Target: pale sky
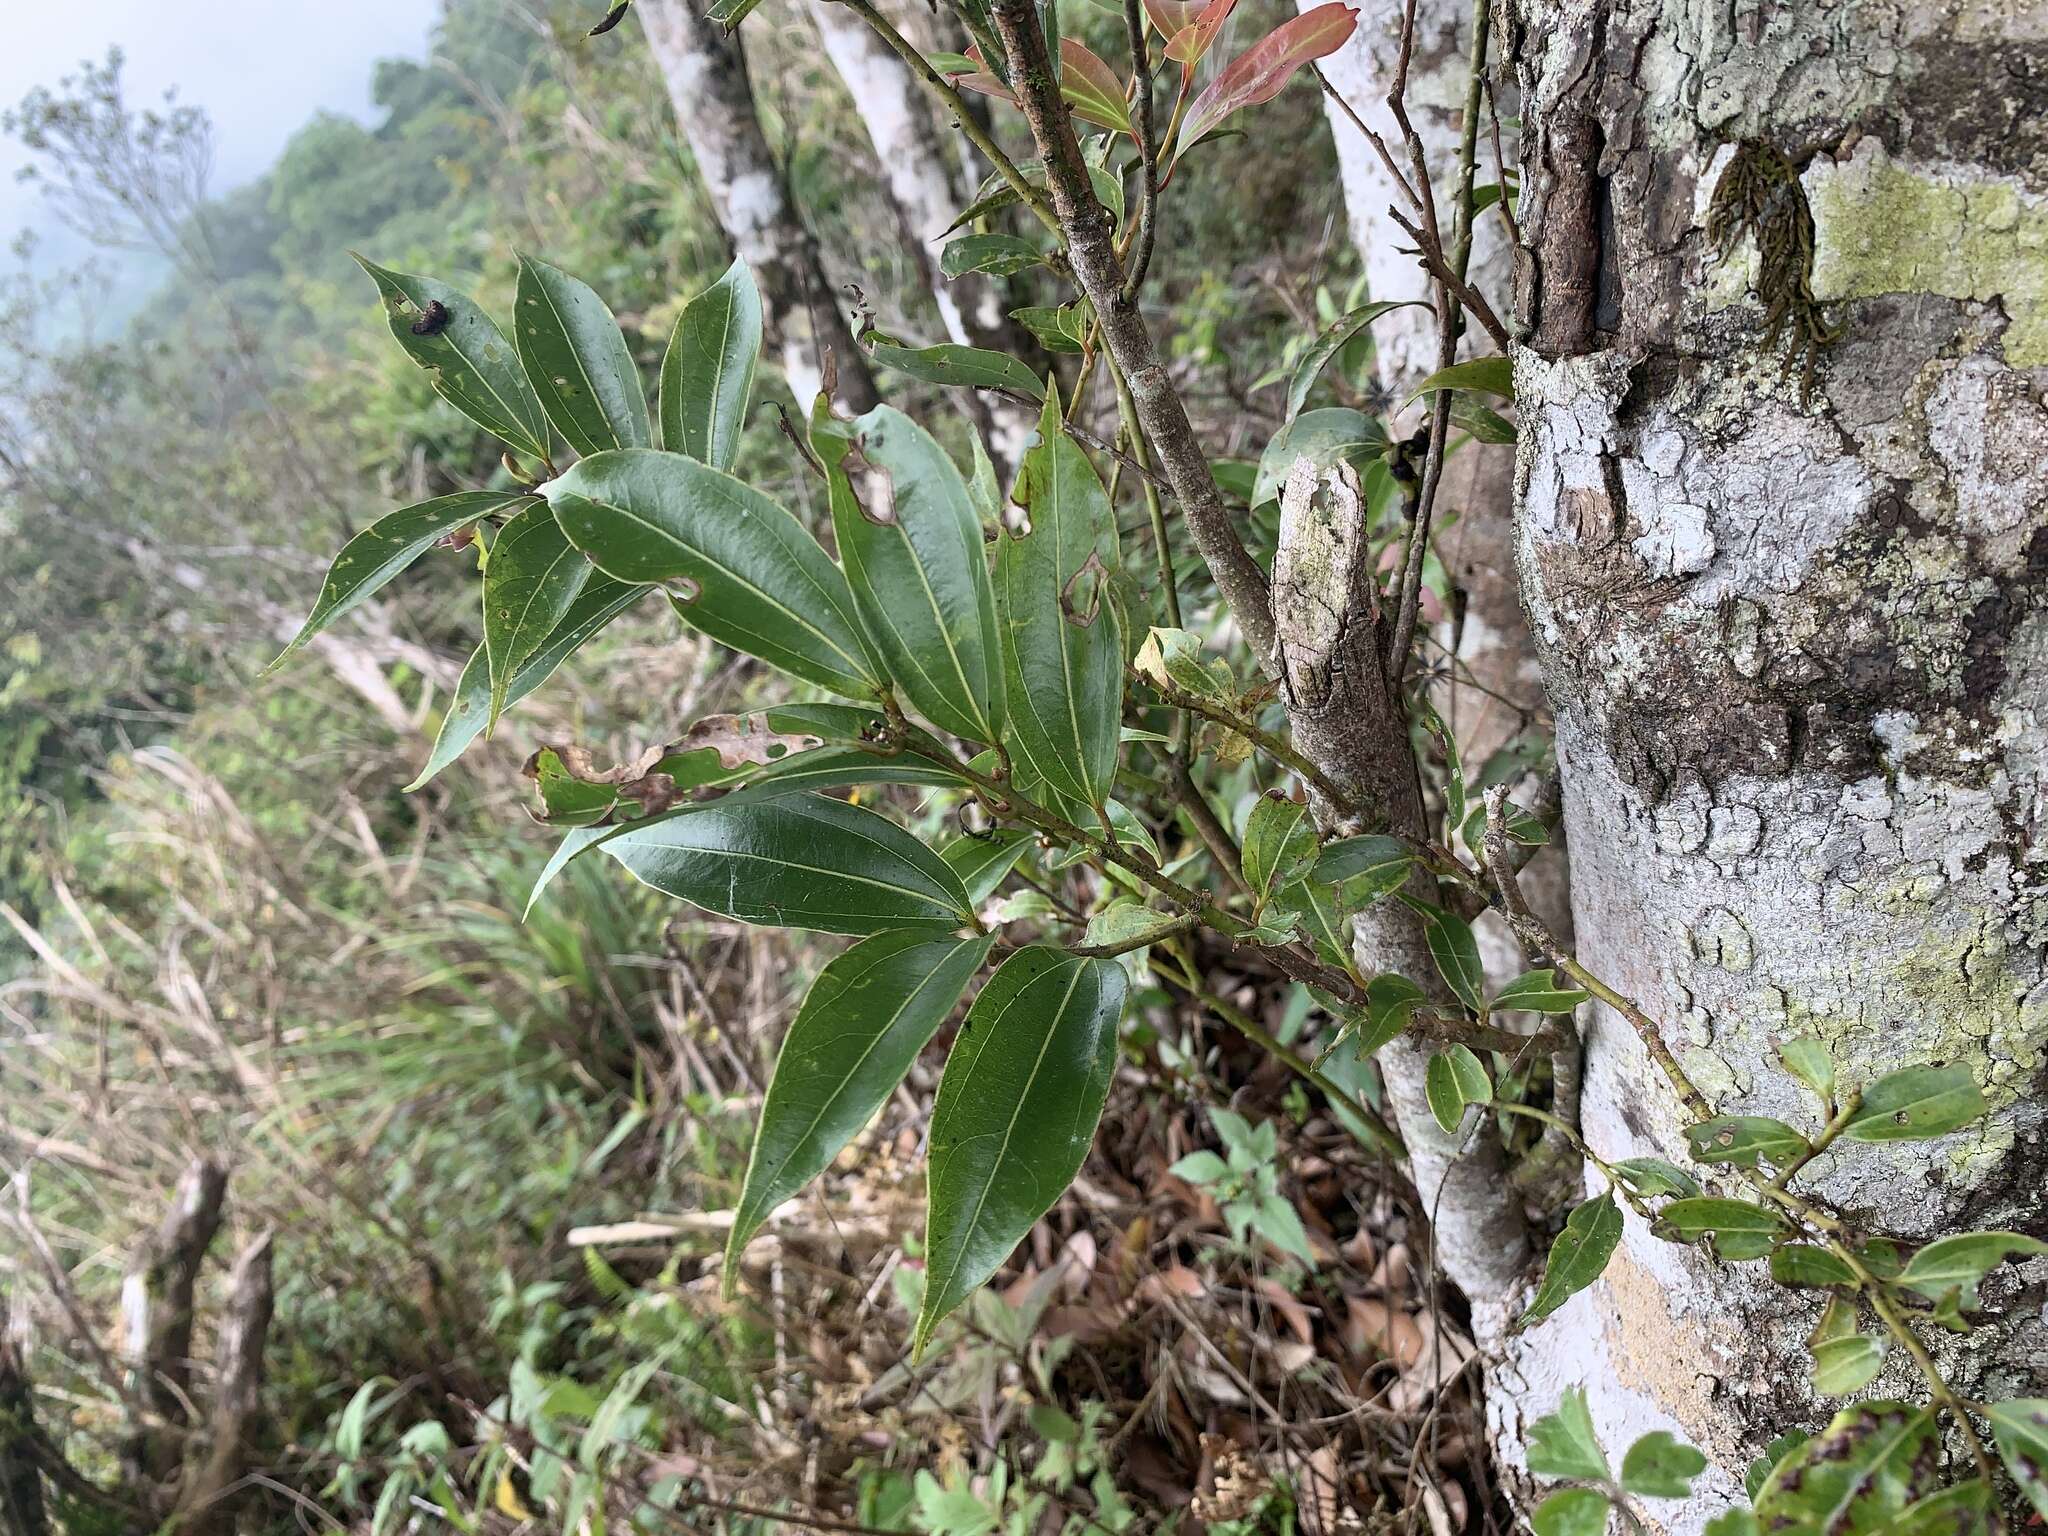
{"x": 260, "y": 68}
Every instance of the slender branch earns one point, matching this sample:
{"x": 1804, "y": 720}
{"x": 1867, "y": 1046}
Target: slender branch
{"x": 1162, "y": 415}
{"x": 1148, "y": 150}
{"x": 1169, "y": 589}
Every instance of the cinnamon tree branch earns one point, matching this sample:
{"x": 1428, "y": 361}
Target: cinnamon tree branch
{"x": 1085, "y": 227}
{"x": 1148, "y": 150}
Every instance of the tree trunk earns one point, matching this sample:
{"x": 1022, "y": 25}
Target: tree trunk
{"x": 1492, "y": 689}
{"x": 927, "y": 186}
{"x": 706, "y": 76}
{"x": 1796, "y": 639}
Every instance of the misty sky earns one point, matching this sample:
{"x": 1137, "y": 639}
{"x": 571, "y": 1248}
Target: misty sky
{"x": 260, "y": 68}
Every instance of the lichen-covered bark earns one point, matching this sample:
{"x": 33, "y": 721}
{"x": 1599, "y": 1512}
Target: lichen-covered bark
{"x": 706, "y": 76}
{"x": 927, "y": 186}
{"x": 1791, "y": 593}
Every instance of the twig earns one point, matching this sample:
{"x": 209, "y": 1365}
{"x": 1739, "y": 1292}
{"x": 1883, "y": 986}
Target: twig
{"x": 1148, "y": 151}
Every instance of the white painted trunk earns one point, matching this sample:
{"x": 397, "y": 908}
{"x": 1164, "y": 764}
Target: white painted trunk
{"x": 706, "y": 76}
{"x": 1798, "y": 650}
{"x": 928, "y": 188}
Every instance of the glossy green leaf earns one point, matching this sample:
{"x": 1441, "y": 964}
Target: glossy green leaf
{"x": 1578, "y": 1257}
{"x": 1955, "y": 1264}
{"x": 1661, "y": 1466}
{"x": 1348, "y": 858}
{"x": 1739, "y": 1230}
{"x": 1564, "y": 1443}
{"x": 1738, "y": 1141}
{"x": 601, "y": 600}
{"x": 1915, "y": 1104}
{"x": 744, "y": 571}
{"x": 1127, "y": 925}
{"x": 1456, "y": 952}
{"x": 998, "y": 255}
{"x": 981, "y": 862}
{"x": 916, "y": 564}
{"x": 949, "y": 362}
{"x": 862, "y": 1024}
{"x": 1454, "y": 1079}
{"x": 1809, "y": 1061}
{"x": 531, "y": 581}
{"x": 1328, "y": 344}
{"x": 1016, "y": 1111}
{"x": 384, "y": 550}
{"x": 1062, "y": 643}
{"x": 708, "y": 370}
{"x": 1279, "y": 844}
{"x": 1964, "y": 1510}
{"x": 577, "y": 361}
{"x": 1872, "y": 1462}
{"x": 468, "y": 360}
{"x": 1538, "y": 992}
{"x": 1486, "y": 375}
{"x": 1572, "y": 1512}
{"x": 796, "y": 861}
{"x": 2019, "y": 1427}
{"x": 1326, "y": 437}
{"x": 1803, "y": 1265}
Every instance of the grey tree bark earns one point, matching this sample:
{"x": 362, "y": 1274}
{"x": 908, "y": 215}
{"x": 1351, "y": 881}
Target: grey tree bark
{"x": 1795, "y": 629}
{"x": 927, "y": 187}
{"x": 706, "y": 76}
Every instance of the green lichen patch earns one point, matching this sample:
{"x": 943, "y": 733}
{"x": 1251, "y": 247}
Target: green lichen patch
{"x": 1883, "y": 228}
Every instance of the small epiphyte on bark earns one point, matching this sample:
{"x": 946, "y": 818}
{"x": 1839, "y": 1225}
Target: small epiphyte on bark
{"x": 1759, "y": 195}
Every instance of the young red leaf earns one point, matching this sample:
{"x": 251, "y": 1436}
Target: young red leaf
{"x": 1262, "y": 71}
{"x": 1188, "y": 47}
{"x": 1172, "y": 17}
{"x": 1092, "y": 88}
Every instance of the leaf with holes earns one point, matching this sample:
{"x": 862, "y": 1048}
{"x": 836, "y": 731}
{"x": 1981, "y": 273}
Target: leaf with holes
{"x": 708, "y": 370}
{"x": 1015, "y": 1114}
{"x": 1262, "y": 71}
{"x": 387, "y": 548}
{"x": 601, "y": 600}
{"x": 467, "y": 358}
{"x": 751, "y": 575}
{"x": 795, "y": 861}
{"x": 1738, "y": 1229}
{"x": 1578, "y": 1256}
{"x": 1916, "y": 1104}
{"x": 1738, "y": 1141}
{"x": 1062, "y": 642}
{"x": 862, "y": 1024}
{"x": 531, "y": 581}
{"x": 577, "y": 361}
{"x": 914, "y": 559}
